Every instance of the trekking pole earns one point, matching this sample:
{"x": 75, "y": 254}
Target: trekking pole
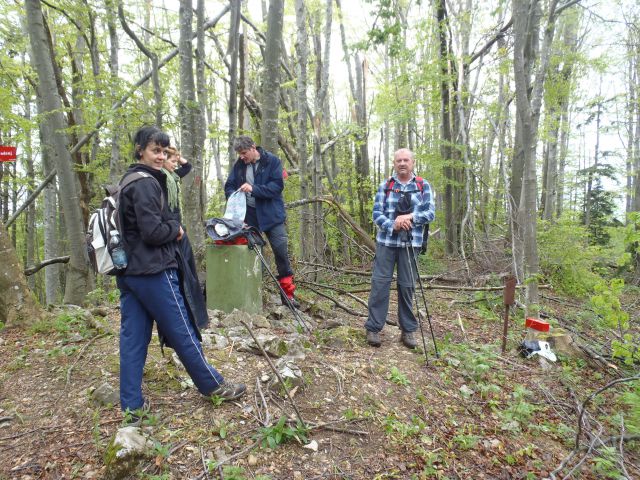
{"x": 424, "y": 342}
{"x": 254, "y": 245}
{"x": 424, "y": 299}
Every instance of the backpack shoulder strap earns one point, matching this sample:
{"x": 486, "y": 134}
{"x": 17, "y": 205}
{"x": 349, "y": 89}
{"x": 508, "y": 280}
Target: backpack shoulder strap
{"x": 388, "y": 186}
{"x": 132, "y": 177}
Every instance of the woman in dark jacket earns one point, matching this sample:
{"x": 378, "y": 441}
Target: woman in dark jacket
{"x": 149, "y": 286}
{"x": 174, "y": 168}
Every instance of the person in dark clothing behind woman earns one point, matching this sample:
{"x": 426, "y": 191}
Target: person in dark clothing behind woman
{"x": 258, "y": 173}
{"x": 149, "y": 288}
{"x": 175, "y": 168}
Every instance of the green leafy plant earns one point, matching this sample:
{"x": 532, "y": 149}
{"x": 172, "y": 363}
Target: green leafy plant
{"x": 65, "y": 325}
{"x": 221, "y": 428}
{"x": 631, "y": 399}
{"x": 397, "y": 377}
{"x": 605, "y": 464}
{"x": 233, "y": 472}
{"x": 566, "y": 258}
{"x": 281, "y": 433}
{"x": 399, "y": 429}
{"x": 606, "y": 304}
{"x": 466, "y": 441}
{"x": 146, "y": 418}
{"x": 518, "y": 411}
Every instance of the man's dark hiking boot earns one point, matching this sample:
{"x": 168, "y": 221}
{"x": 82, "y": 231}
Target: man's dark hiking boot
{"x": 292, "y": 300}
{"x": 229, "y": 391}
{"x": 408, "y": 339}
{"x": 373, "y": 339}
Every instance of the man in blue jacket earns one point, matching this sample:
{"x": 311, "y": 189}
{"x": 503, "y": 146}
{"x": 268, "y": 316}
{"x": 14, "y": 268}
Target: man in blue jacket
{"x": 149, "y": 286}
{"x": 258, "y": 174}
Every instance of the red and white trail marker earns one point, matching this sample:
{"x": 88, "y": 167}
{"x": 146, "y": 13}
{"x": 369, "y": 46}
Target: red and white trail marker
{"x": 7, "y": 154}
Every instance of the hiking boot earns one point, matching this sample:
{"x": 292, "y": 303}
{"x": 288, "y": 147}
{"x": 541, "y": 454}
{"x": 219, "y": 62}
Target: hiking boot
{"x": 292, "y": 300}
{"x": 408, "y": 339}
{"x": 373, "y": 338}
{"x": 229, "y": 391}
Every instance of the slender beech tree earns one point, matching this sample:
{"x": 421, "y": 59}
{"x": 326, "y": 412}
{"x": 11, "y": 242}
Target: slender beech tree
{"x": 528, "y": 113}
{"x": 302, "y": 50}
{"x": 271, "y": 77}
{"x": 190, "y": 117}
{"x": 18, "y": 307}
{"x": 233, "y": 49}
{"x": 77, "y": 278}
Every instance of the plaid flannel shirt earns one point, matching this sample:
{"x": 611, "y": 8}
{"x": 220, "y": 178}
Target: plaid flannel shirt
{"x": 384, "y": 212}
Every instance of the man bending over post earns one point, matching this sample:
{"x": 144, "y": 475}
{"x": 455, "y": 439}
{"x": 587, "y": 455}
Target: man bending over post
{"x": 258, "y": 174}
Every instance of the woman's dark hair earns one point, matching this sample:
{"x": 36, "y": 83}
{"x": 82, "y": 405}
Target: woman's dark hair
{"x": 146, "y": 135}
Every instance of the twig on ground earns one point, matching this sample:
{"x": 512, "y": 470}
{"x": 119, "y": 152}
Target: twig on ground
{"x": 326, "y": 426}
{"x": 93, "y": 339}
{"x": 204, "y": 464}
{"x": 338, "y": 304}
{"x": 591, "y": 397}
{"x": 337, "y": 289}
{"x": 275, "y": 370}
{"x": 267, "y": 417}
{"x": 621, "y": 448}
{"x": 235, "y": 456}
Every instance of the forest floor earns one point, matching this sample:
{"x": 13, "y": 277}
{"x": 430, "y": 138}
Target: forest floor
{"x": 374, "y": 413}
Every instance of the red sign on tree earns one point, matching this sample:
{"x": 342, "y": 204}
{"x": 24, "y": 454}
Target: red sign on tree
{"x": 7, "y": 154}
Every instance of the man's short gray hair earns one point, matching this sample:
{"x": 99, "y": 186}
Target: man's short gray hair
{"x": 243, "y": 142}
{"x": 411, "y": 155}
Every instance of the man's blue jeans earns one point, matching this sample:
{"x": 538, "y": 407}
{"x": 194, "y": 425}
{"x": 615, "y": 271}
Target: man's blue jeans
{"x": 384, "y": 263}
{"x": 279, "y": 242}
{"x": 143, "y": 299}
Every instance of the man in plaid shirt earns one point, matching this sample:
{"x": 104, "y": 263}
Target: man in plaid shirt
{"x": 400, "y": 232}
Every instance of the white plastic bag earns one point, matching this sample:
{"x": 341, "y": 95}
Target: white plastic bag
{"x": 236, "y": 207}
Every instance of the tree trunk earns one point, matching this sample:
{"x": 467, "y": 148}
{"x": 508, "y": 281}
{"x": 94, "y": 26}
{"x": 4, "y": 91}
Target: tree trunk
{"x": 233, "y": 54}
{"x": 528, "y": 111}
{"x": 31, "y": 231}
{"x": 592, "y": 169}
{"x": 302, "y": 50}
{"x": 52, "y": 272}
{"x": 115, "y": 165}
{"x": 18, "y": 307}
{"x": 201, "y": 123}
{"x": 446, "y": 133}
{"x": 271, "y": 77}
{"x": 190, "y": 115}
{"x": 77, "y": 280}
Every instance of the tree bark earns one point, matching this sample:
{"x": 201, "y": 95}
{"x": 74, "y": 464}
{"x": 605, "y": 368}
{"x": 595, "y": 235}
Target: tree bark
{"x": 52, "y": 273}
{"x": 452, "y": 223}
{"x": 528, "y": 112}
{"x": 78, "y": 279}
{"x": 302, "y": 50}
{"x": 190, "y": 115}
{"x": 271, "y": 77}
{"x": 115, "y": 165}
{"x": 233, "y": 54}
{"x": 18, "y": 307}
